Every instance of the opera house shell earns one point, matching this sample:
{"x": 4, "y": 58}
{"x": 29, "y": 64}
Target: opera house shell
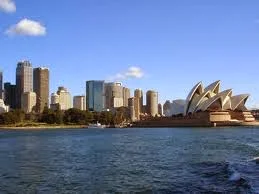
{"x": 210, "y": 99}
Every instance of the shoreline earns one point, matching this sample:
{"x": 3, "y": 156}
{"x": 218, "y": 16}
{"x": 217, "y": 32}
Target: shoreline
{"x": 44, "y": 127}
{"x": 39, "y": 127}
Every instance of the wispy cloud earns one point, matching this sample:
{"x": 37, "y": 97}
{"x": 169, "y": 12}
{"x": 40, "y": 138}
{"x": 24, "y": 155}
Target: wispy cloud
{"x": 27, "y": 27}
{"x": 7, "y": 6}
{"x": 132, "y": 72}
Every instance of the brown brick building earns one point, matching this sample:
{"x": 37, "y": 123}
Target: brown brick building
{"x": 41, "y": 87}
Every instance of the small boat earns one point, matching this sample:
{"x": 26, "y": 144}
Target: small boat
{"x": 256, "y": 159}
{"x": 96, "y": 126}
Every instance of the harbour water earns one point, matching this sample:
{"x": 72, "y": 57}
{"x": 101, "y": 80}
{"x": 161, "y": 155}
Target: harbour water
{"x": 166, "y": 160}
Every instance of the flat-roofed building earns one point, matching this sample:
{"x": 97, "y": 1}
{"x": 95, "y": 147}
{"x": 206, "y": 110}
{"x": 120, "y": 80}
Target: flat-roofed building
{"x": 28, "y": 101}
{"x": 95, "y": 95}
{"x": 10, "y": 95}
{"x": 138, "y": 93}
{"x": 126, "y": 96}
{"x": 113, "y": 95}
{"x": 79, "y": 102}
{"x": 41, "y": 87}
{"x": 152, "y": 103}
{"x": 24, "y": 80}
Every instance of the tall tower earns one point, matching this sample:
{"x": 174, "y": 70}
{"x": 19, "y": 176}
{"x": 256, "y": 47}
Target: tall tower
{"x": 10, "y": 95}
{"x": 41, "y": 87}
{"x": 138, "y": 94}
{"x": 113, "y": 95}
{"x": 1, "y": 85}
{"x": 24, "y": 80}
{"x": 152, "y": 103}
{"x": 126, "y": 96}
{"x": 95, "y": 95}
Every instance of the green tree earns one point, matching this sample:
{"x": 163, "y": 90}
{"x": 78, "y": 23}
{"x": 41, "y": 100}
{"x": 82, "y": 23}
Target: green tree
{"x": 75, "y": 116}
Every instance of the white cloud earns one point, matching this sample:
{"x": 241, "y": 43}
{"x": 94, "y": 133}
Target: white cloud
{"x": 7, "y": 6}
{"x": 27, "y": 27}
{"x": 131, "y": 73}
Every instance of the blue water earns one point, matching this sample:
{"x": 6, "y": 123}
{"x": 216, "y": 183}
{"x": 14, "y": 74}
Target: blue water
{"x": 177, "y": 160}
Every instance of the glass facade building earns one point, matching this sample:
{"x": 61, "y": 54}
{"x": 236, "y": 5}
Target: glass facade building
{"x": 10, "y": 95}
{"x": 95, "y": 95}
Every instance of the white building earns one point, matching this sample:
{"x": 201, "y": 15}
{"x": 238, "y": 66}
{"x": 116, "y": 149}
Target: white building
{"x": 63, "y": 98}
{"x": 28, "y": 101}
{"x": 3, "y": 107}
{"x": 209, "y": 99}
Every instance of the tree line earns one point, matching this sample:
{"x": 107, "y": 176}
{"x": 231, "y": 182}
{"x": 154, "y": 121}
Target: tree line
{"x": 71, "y": 116}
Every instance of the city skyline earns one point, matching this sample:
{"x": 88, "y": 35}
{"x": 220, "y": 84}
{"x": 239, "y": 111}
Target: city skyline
{"x": 172, "y": 41}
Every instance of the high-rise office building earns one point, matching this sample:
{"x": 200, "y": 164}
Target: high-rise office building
{"x": 152, "y": 103}
{"x": 41, "y": 87}
{"x": 28, "y": 101}
{"x": 1, "y": 85}
{"x": 113, "y": 95}
{"x": 126, "y": 96}
{"x": 79, "y": 102}
{"x": 95, "y": 95}
{"x": 131, "y": 103}
{"x": 10, "y": 95}
{"x": 138, "y": 94}
{"x": 134, "y": 108}
{"x": 24, "y": 80}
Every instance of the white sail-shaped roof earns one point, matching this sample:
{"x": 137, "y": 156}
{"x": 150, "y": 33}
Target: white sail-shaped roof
{"x": 204, "y": 106}
{"x": 196, "y": 91}
{"x": 214, "y": 87}
{"x": 196, "y": 101}
{"x": 239, "y": 101}
{"x": 210, "y": 98}
{"x": 223, "y": 100}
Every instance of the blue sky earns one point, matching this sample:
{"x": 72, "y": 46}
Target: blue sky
{"x": 173, "y": 43}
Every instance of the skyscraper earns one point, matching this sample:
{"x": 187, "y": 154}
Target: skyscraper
{"x": 113, "y": 95}
{"x": 24, "y": 80}
{"x": 95, "y": 95}
{"x": 138, "y": 94}
{"x": 134, "y": 108}
{"x": 131, "y": 103}
{"x": 126, "y": 96}
{"x": 152, "y": 103}
{"x": 10, "y": 95}
{"x": 1, "y": 85}
{"x": 41, "y": 87}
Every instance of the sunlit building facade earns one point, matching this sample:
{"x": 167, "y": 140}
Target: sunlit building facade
{"x": 41, "y": 87}
{"x": 28, "y": 101}
{"x": 24, "y": 80}
{"x": 152, "y": 103}
{"x": 79, "y": 102}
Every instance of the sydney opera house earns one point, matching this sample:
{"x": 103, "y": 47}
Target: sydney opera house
{"x": 212, "y": 103}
